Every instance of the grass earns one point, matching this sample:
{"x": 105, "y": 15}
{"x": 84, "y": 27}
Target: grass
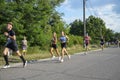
{"x": 44, "y": 54}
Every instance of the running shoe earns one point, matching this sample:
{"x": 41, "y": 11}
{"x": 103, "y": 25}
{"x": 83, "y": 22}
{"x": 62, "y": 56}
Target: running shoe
{"x": 6, "y": 66}
{"x": 53, "y": 57}
{"x": 25, "y": 64}
{"x": 69, "y": 56}
{"x": 61, "y": 60}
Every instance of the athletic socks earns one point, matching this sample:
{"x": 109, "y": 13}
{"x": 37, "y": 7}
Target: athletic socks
{"x": 22, "y": 58}
{"x": 7, "y": 63}
{"x": 6, "y": 59}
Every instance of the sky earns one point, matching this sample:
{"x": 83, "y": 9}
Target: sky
{"x": 108, "y": 10}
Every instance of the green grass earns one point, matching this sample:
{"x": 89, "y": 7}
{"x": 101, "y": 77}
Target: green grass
{"x": 44, "y": 54}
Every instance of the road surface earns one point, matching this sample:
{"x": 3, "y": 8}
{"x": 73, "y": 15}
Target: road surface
{"x": 96, "y": 65}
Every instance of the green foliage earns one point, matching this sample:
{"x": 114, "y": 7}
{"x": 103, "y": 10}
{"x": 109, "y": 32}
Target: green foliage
{"x": 117, "y": 35}
{"x": 75, "y": 40}
{"x": 35, "y": 19}
{"x": 77, "y": 28}
{"x": 33, "y": 50}
{"x": 109, "y": 35}
{"x": 95, "y": 27}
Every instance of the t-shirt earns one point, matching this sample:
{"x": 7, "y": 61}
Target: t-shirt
{"x": 11, "y": 33}
{"x": 63, "y": 39}
{"x": 24, "y": 42}
{"x": 87, "y": 39}
{"x": 9, "y": 40}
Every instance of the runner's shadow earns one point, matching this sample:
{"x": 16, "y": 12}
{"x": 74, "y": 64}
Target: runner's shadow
{"x": 43, "y": 62}
{"x": 17, "y": 67}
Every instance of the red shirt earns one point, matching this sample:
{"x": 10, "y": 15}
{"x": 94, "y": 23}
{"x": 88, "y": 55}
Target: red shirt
{"x": 87, "y": 39}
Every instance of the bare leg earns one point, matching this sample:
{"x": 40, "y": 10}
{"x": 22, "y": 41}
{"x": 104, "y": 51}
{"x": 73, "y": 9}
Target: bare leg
{"x": 57, "y": 52}
{"x": 67, "y": 53}
{"x": 62, "y": 57}
{"x": 24, "y": 52}
{"x": 102, "y": 46}
{"x": 86, "y": 49}
{"x": 51, "y": 52}
{"x": 6, "y": 50}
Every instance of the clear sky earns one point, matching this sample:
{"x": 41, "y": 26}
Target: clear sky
{"x": 108, "y": 10}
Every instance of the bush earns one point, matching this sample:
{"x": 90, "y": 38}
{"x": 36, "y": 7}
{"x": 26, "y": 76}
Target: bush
{"x": 32, "y": 50}
{"x": 74, "y": 40}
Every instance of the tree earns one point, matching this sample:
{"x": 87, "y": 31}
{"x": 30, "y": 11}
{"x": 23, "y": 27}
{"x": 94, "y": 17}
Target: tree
{"x": 117, "y": 35}
{"x": 109, "y": 35}
{"x": 76, "y": 28}
{"x": 31, "y": 18}
{"x": 95, "y": 28}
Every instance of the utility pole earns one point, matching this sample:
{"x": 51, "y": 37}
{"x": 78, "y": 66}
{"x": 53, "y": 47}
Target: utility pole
{"x": 84, "y": 2}
{"x": 84, "y": 21}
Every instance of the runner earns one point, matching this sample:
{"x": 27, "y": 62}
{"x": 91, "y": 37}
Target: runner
{"x": 11, "y": 44}
{"x": 24, "y": 46}
{"x": 86, "y": 41}
{"x": 117, "y": 43}
{"x": 102, "y": 43}
{"x": 63, "y": 40}
{"x": 54, "y": 46}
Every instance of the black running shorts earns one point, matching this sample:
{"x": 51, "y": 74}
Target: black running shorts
{"x": 63, "y": 45}
{"x": 13, "y": 46}
{"x": 54, "y": 46}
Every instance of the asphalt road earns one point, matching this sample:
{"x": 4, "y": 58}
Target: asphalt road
{"x": 96, "y": 65}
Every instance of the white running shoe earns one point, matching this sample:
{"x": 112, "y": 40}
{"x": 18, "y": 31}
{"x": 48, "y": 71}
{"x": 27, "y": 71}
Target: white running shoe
{"x": 6, "y": 66}
{"x": 25, "y": 64}
{"x": 53, "y": 57}
{"x": 61, "y": 60}
{"x": 69, "y": 56}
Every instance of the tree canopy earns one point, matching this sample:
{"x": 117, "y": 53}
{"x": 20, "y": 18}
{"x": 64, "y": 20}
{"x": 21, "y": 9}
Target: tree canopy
{"x": 95, "y": 27}
{"x": 36, "y": 19}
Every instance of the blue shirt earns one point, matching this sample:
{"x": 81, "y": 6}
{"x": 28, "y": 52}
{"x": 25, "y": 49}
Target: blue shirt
{"x": 63, "y": 39}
